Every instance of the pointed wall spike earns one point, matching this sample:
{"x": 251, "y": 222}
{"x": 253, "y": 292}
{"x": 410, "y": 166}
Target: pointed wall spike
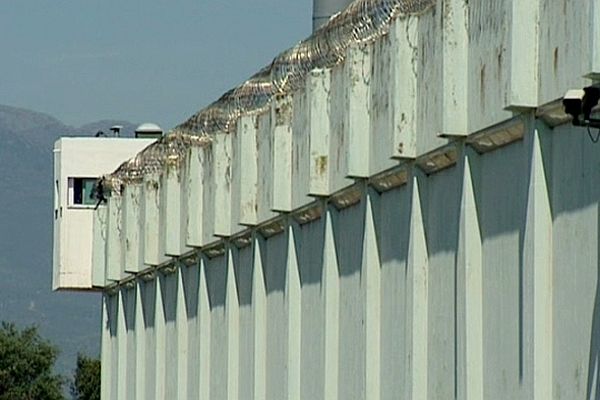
{"x": 371, "y": 268}
{"x": 259, "y": 306}
{"x": 233, "y": 330}
{"x": 418, "y": 265}
{"x": 537, "y": 260}
{"x": 205, "y": 328}
{"x": 331, "y": 282}
{"x": 469, "y": 295}
{"x": 294, "y": 310}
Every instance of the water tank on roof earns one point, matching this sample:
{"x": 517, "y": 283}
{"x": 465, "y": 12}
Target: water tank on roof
{"x": 148, "y": 130}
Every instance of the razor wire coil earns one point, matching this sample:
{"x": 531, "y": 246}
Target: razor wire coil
{"x": 364, "y": 21}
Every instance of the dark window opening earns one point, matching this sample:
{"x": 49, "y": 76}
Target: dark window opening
{"x": 83, "y": 191}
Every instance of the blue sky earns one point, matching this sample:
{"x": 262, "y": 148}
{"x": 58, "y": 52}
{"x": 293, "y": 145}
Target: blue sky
{"x": 152, "y": 60}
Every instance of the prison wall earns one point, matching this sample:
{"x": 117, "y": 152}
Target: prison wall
{"x": 418, "y": 222}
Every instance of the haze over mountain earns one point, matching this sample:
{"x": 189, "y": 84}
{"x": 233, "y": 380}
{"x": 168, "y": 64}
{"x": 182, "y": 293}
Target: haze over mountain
{"x": 69, "y": 320}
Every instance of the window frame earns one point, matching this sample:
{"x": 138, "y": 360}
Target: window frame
{"x": 78, "y": 184}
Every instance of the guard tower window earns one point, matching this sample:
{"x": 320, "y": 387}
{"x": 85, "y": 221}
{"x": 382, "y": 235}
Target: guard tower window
{"x": 81, "y": 192}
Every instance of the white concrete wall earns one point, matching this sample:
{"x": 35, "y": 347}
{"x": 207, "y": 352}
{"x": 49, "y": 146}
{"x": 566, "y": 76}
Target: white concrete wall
{"x": 338, "y": 247}
{"x": 484, "y": 275}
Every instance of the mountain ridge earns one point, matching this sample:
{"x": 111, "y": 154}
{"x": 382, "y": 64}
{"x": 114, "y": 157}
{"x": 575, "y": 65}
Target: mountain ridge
{"x": 42, "y": 129}
{"x": 69, "y": 320}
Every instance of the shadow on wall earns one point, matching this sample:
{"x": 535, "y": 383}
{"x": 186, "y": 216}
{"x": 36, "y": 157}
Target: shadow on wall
{"x": 216, "y": 280}
{"x": 575, "y": 194}
{"x": 190, "y": 279}
{"x": 593, "y": 384}
{"x": 310, "y": 244}
{"x": 168, "y": 293}
{"x": 243, "y": 265}
{"x": 111, "y": 308}
{"x": 128, "y": 299}
{"x": 348, "y": 227}
{"x": 148, "y": 294}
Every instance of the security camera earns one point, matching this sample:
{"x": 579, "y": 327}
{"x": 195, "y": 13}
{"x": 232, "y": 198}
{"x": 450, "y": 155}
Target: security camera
{"x": 572, "y": 102}
{"x": 579, "y": 104}
{"x": 590, "y": 100}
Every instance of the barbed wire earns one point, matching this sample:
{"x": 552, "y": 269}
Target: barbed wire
{"x": 364, "y": 21}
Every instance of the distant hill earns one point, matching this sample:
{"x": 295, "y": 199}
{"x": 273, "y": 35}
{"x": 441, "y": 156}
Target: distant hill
{"x": 70, "y": 320}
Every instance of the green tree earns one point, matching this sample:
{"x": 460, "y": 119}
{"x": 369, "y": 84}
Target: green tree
{"x": 86, "y": 382}
{"x": 26, "y": 362}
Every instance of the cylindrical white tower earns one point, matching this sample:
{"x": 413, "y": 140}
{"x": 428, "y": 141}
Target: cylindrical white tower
{"x": 324, "y": 9}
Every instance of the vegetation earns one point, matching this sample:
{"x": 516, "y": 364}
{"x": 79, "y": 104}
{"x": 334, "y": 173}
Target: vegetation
{"x": 26, "y": 362}
{"x": 86, "y": 382}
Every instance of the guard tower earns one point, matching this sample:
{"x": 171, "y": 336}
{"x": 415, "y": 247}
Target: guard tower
{"x": 78, "y": 163}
